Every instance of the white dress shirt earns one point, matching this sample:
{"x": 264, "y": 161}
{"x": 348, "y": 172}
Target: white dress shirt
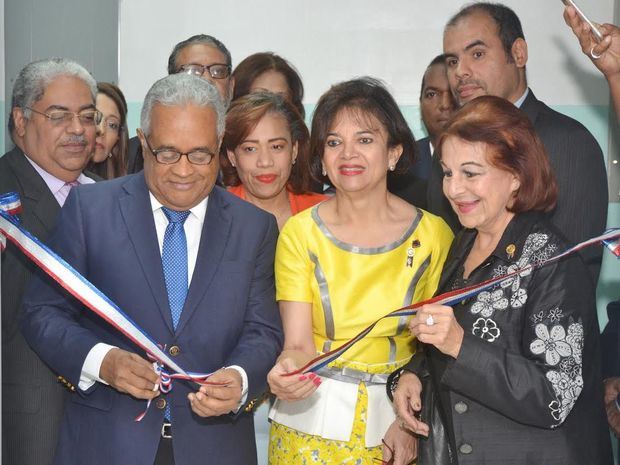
{"x": 193, "y": 230}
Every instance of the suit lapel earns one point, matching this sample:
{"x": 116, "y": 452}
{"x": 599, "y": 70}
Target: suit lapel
{"x": 138, "y": 216}
{"x": 44, "y": 206}
{"x": 215, "y": 233}
{"x": 530, "y": 107}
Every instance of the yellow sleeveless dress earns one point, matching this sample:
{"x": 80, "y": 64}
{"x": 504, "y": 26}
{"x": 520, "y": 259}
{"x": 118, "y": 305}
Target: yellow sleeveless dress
{"x": 349, "y": 288}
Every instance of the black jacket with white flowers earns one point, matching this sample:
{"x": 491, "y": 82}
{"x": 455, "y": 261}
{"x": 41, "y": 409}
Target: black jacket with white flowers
{"x": 526, "y": 387}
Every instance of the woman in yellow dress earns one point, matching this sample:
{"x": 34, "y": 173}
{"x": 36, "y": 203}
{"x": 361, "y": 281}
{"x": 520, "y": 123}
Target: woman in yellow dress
{"x": 340, "y": 266}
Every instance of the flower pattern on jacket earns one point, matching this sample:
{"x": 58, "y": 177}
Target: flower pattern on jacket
{"x": 552, "y": 343}
{"x": 486, "y": 328}
{"x": 562, "y": 349}
{"x": 487, "y": 302}
{"x": 513, "y": 290}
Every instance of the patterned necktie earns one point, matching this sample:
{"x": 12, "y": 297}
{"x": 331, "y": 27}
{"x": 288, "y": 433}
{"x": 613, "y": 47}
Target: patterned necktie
{"x": 63, "y": 192}
{"x": 174, "y": 261}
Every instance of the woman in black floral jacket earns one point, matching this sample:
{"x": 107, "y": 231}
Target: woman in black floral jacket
{"x": 516, "y": 368}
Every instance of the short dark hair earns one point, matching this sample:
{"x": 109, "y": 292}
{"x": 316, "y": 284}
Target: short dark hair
{"x": 196, "y": 39}
{"x": 368, "y": 96}
{"x": 514, "y": 147}
{"x": 243, "y": 116}
{"x": 438, "y": 60}
{"x": 508, "y": 24}
{"x": 253, "y": 66}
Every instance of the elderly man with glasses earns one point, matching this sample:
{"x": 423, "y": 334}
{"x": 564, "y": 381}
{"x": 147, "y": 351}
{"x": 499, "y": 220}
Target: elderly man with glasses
{"x": 52, "y": 123}
{"x": 200, "y": 55}
{"x": 190, "y": 264}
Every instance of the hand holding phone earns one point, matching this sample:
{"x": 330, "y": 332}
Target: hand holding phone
{"x": 595, "y": 31}
{"x": 604, "y": 53}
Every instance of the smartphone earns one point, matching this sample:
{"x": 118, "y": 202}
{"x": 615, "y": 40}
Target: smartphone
{"x": 595, "y": 32}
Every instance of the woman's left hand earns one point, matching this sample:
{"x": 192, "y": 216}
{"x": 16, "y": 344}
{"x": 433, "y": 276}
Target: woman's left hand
{"x": 400, "y": 446}
{"x": 435, "y": 324}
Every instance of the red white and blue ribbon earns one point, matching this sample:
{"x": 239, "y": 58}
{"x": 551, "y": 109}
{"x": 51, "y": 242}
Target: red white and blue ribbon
{"x": 78, "y": 286}
{"x": 611, "y": 239}
{"x": 613, "y": 244}
{"x": 95, "y": 300}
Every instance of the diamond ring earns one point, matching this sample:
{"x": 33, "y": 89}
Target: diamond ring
{"x": 430, "y": 321}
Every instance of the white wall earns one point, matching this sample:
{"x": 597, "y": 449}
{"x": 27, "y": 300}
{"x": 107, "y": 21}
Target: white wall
{"x": 331, "y": 41}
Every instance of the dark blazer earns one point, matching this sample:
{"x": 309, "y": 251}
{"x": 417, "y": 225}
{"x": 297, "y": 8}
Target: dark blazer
{"x": 526, "y": 386}
{"x": 32, "y": 398}
{"x": 107, "y": 232}
{"x": 135, "y": 162}
{"x": 412, "y": 185}
{"x": 579, "y": 167}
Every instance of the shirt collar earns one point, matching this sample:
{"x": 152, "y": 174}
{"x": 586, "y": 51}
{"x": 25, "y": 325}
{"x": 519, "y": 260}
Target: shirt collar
{"x": 53, "y": 183}
{"x": 199, "y": 210}
{"x": 519, "y": 102}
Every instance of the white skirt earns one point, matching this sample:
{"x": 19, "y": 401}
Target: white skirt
{"x": 329, "y": 412}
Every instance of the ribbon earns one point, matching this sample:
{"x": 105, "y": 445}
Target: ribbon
{"x": 96, "y": 301}
{"x": 613, "y": 245}
{"x": 78, "y": 286}
{"x": 610, "y": 238}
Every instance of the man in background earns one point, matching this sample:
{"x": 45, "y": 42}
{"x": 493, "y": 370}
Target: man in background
{"x": 436, "y": 107}
{"x": 53, "y": 125}
{"x": 200, "y": 55}
{"x": 486, "y": 54}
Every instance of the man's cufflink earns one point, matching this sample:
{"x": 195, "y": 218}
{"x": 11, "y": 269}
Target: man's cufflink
{"x": 66, "y": 383}
{"x": 250, "y": 407}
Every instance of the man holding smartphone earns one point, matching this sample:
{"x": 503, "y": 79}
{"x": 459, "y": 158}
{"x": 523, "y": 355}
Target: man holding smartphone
{"x": 486, "y": 54}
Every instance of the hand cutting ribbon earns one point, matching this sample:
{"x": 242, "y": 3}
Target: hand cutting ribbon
{"x": 78, "y": 286}
{"x": 611, "y": 240}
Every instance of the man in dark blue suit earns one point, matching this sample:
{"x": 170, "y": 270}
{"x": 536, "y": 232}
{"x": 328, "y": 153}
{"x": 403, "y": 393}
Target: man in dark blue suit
{"x": 193, "y": 267}
{"x": 436, "y": 107}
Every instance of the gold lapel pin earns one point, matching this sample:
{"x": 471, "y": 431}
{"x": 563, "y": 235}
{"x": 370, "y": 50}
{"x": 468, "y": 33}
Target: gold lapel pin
{"x": 510, "y": 250}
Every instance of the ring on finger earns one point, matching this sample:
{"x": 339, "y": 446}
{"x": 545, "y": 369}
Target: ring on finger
{"x": 430, "y": 320}
{"x": 593, "y": 55}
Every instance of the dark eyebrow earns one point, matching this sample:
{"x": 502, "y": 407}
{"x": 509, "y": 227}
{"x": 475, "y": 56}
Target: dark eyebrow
{"x": 256, "y": 141}
{"x": 475, "y": 43}
{"x": 278, "y": 138}
{"x": 367, "y": 131}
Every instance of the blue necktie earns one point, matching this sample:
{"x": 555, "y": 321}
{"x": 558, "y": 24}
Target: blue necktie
{"x": 174, "y": 262}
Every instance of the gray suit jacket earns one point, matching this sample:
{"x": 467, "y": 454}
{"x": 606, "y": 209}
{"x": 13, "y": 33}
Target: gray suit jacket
{"x": 32, "y": 397}
{"x": 579, "y": 168}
